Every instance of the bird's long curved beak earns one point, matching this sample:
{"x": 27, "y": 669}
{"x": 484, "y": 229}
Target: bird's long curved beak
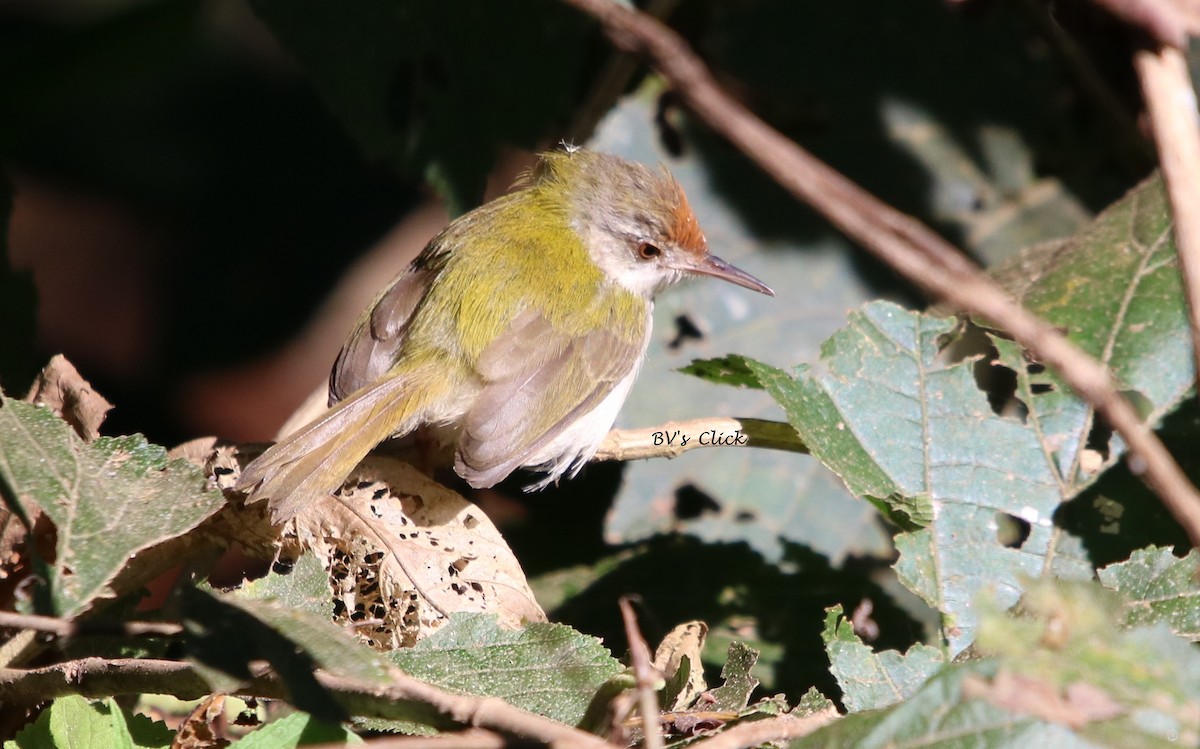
{"x": 714, "y": 266}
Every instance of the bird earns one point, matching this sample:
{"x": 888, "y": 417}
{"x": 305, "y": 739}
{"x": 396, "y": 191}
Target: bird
{"x": 514, "y": 337}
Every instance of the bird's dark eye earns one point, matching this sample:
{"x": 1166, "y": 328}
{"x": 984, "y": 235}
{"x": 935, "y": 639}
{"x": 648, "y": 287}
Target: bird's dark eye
{"x": 647, "y": 251}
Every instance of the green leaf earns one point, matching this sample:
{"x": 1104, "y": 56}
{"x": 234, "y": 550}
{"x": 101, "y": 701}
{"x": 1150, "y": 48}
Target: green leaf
{"x": 1059, "y": 673}
{"x": 1119, "y": 513}
{"x": 941, "y": 716}
{"x": 1159, "y": 587}
{"x": 812, "y": 702}
{"x": 297, "y": 729}
{"x": 549, "y": 669}
{"x": 739, "y": 682}
{"x": 437, "y": 89}
{"x": 224, "y": 634}
{"x": 305, "y": 586}
{"x": 1069, "y": 632}
{"x": 911, "y": 430}
{"x": 74, "y": 723}
{"x": 726, "y": 370}
{"x": 1115, "y": 289}
{"x": 109, "y": 500}
{"x": 871, "y": 680}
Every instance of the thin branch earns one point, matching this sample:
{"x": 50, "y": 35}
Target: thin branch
{"x": 395, "y": 699}
{"x": 1171, "y": 102}
{"x": 674, "y": 438}
{"x": 66, "y": 628}
{"x": 643, "y": 671}
{"x": 905, "y": 244}
{"x": 759, "y": 732}
{"x": 472, "y": 739}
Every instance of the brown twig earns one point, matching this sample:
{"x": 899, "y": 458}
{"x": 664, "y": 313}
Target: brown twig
{"x": 644, "y": 672}
{"x": 1171, "y": 103}
{"x": 759, "y": 732}
{"x": 99, "y": 677}
{"x": 472, "y": 739}
{"x": 905, "y": 244}
{"x": 674, "y": 438}
{"x": 66, "y": 628}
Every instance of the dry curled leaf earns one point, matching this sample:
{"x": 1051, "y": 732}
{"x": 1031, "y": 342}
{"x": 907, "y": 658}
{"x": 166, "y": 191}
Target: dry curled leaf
{"x": 200, "y": 730}
{"x": 677, "y": 657}
{"x": 404, "y": 552}
{"x": 63, "y": 390}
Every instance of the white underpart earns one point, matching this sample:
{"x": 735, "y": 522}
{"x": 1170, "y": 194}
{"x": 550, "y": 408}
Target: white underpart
{"x": 576, "y": 444}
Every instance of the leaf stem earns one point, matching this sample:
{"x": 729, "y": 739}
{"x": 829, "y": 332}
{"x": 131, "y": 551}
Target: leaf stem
{"x": 674, "y": 438}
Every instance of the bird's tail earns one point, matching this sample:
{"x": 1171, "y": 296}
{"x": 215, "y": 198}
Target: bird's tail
{"x": 316, "y": 459}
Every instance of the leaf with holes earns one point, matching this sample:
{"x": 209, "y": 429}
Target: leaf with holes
{"x": 404, "y": 553}
{"x": 1116, "y": 291}
{"x": 304, "y": 586}
{"x": 871, "y": 680}
{"x": 909, "y": 429}
{"x": 1159, "y": 587}
{"x": 113, "y": 502}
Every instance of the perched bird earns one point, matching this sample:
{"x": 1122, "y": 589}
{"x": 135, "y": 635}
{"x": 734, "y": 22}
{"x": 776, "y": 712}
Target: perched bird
{"x": 514, "y": 336}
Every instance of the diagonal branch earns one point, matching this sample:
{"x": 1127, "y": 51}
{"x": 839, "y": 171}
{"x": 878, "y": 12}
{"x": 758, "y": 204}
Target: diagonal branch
{"x": 1171, "y": 102}
{"x": 905, "y": 244}
{"x": 99, "y": 677}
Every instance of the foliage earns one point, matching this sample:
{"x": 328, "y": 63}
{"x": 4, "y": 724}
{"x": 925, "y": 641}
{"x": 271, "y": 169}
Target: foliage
{"x": 75, "y": 723}
{"x": 961, "y": 555}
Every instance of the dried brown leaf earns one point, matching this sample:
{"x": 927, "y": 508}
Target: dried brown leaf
{"x": 405, "y": 552}
{"x": 61, "y": 388}
{"x": 686, "y": 641}
{"x": 198, "y": 730}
